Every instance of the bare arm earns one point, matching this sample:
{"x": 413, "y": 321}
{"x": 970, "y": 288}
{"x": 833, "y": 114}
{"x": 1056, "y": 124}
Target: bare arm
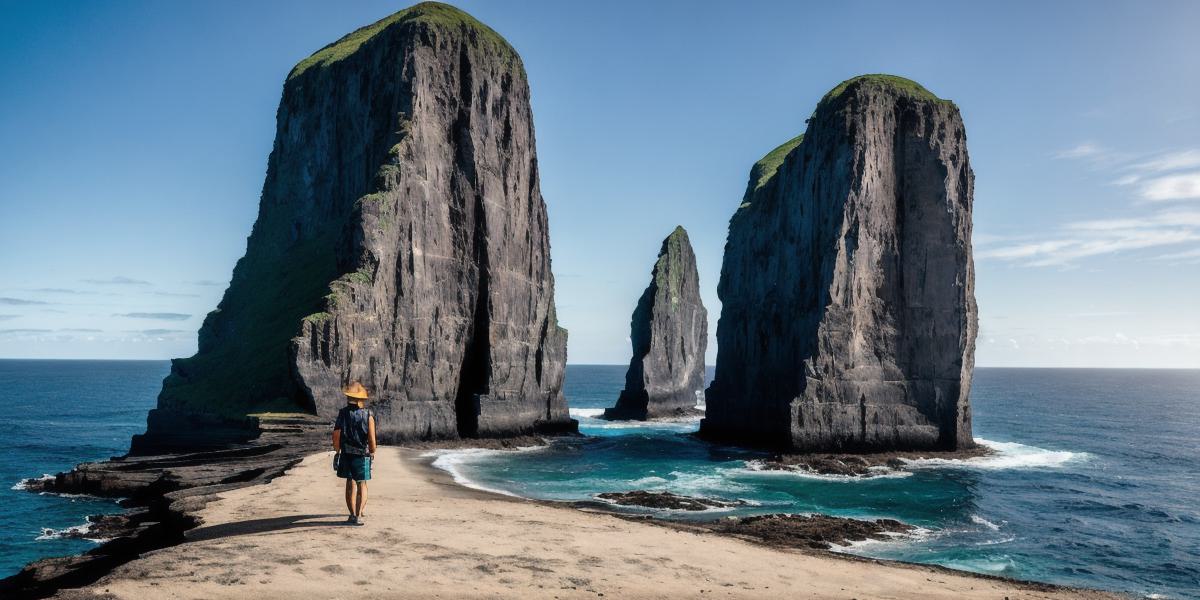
{"x": 337, "y": 440}
{"x": 371, "y": 433}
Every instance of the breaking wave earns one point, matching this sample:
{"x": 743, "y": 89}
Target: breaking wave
{"x": 1006, "y": 455}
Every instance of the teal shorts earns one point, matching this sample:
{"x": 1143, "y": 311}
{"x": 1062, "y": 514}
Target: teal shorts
{"x": 353, "y": 466}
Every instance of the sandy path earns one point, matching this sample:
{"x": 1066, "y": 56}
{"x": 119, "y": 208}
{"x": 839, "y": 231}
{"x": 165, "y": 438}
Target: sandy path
{"x": 427, "y": 537}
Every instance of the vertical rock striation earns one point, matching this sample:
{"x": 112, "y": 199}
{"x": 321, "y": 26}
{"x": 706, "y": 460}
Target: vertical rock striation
{"x": 848, "y": 314}
{"x": 401, "y": 241}
{"x": 669, "y": 332}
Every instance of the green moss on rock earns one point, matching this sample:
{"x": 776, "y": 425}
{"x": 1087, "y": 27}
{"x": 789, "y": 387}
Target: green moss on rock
{"x": 669, "y": 267}
{"x": 905, "y": 86}
{"x": 765, "y": 168}
{"x": 434, "y": 14}
{"x": 317, "y": 318}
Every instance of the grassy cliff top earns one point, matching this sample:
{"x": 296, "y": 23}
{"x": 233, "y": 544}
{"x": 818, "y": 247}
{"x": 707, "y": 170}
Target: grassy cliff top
{"x": 431, "y": 13}
{"x": 765, "y": 168}
{"x": 905, "y": 86}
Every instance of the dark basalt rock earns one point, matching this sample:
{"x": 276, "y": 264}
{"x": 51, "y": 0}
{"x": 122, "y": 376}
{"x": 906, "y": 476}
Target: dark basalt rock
{"x": 666, "y": 500}
{"x": 164, "y": 493}
{"x": 848, "y": 315}
{"x": 862, "y": 465}
{"x": 669, "y": 331}
{"x": 401, "y": 241}
{"x": 808, "y": 531}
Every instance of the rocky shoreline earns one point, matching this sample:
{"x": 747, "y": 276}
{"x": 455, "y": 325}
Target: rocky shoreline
{"x": 162, "y": 493}
{"x": 862, "y": 465}
{"x": 666, "y": 500}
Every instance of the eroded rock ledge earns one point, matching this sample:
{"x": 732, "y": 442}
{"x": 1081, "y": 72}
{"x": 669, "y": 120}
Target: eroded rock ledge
{"x": 666, "y": 500}
{"x": 808, "y": 531}
{"x": 861, "y": 465}
{"x": 164, "y": 493}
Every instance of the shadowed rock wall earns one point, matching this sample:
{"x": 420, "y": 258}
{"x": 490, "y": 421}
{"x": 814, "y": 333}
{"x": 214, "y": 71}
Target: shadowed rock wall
{"x": 848, "y": 311}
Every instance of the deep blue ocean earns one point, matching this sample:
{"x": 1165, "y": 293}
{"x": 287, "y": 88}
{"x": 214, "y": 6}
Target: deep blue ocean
{"x": 1096, "y": 479}
{"x": 53, "y": 415}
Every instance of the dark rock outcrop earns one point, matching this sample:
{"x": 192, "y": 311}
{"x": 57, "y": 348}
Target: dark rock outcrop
{"x": 164, "y": 494}
{"x": 848, "y": 315}
{"x": 666, "y": 500}
{"x": 863, "y": 465}
{"x": 669, "y": 332}
{"x": 808, "y": 531}
{"x": 401, "y": 241}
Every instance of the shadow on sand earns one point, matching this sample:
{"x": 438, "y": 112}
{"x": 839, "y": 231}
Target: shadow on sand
{"x": 264, "y": 526}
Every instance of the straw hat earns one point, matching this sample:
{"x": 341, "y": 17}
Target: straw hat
{"x": 356, "y": 390}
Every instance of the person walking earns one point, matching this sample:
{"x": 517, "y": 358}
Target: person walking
{"x": 354, "y": 443}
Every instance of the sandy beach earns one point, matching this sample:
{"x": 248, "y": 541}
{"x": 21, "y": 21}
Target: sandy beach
{"x": 428, "y": 537}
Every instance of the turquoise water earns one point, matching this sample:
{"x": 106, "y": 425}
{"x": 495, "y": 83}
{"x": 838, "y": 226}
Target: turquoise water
{"x": 1094, "y": 482}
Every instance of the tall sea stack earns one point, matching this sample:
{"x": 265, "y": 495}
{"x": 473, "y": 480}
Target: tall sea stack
{"x": 401, "y": 241}
{"x": 669, "y": 333}
{"x": 848, "y": 315}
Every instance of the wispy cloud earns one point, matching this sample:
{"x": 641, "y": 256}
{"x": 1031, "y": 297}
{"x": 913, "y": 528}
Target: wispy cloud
{"x": 21, "y": 331}
{"x": 1084, "y": 150}
{"x": 206, "y": 282}
{"x": 1169, "y": 161}
{"x": 162, "y": 316}
{"x": 58, "y": 291}
{"x": 1083, "y": 239}
{"x": 176, "y": 294}
{"x": 118, "y": 280}
{"x": 8, "y": 317}
{"x": 20, "y": 302}
{"x": 159, "y": 331}
{"x": 82, "y": 330}
{"x": 1159, "y": 177}
{"x": 1184, "y": 186}
{"x": 1186, "y": 255}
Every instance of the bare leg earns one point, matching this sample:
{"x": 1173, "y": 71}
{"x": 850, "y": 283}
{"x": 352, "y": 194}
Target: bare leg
{"x": 362, "y": 498}
{"x": 350, "y": 496}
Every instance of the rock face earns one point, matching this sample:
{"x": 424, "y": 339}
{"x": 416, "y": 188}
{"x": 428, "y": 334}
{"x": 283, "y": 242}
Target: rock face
{"x": 848, "y": 315}
{"x": 669, "y": 331}
{"x": 401, "y": 241}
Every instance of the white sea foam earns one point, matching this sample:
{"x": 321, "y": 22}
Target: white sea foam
{"x": 592, "y": 413}
{"x": 24, "y": 483}
{"x": 693, "y": 484}
{"x": 78, "y": 531}
{"x": 594, "y": 418}
{"x": 996, "y": 542}
{"x": 680, "y": 425}
{"x": 1006, "y": 455}
{"x": 452, "y": 461}
{"x": 978, "y": 520}
{"x": 917, "y": 534}
{"x": 758, "y": 467}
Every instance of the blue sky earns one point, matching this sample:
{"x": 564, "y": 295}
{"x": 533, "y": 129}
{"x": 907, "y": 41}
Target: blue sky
{"x": 134, "y": 138}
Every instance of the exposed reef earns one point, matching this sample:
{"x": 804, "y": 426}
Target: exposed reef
{"x": 848, "y": 317}
{"x": 665, "y": 500}
{"x": 808, "y": 531}
{"x": 669, "y": 334}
